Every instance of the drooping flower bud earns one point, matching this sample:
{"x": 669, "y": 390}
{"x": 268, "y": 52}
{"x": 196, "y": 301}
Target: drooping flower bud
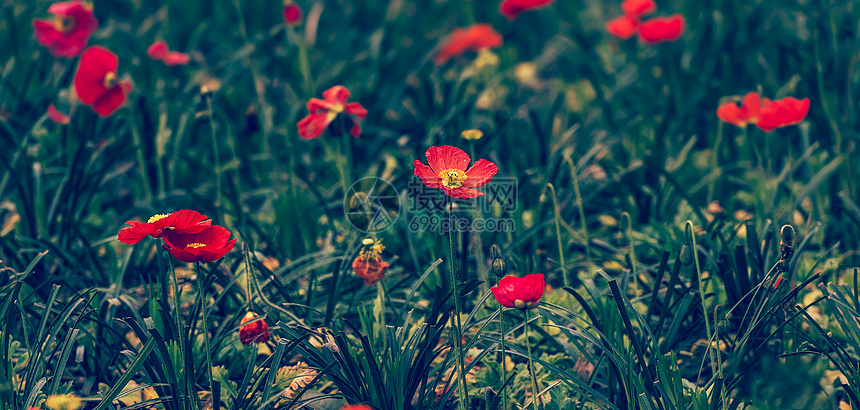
{"x": 256, "y": 332}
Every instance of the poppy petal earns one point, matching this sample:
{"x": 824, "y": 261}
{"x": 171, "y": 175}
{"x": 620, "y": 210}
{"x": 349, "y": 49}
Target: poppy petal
{"x": 337, "y": 94}
{"x": 447, "y": 157}
{"x": 428, "y": 177}
{"x": 314, "y": 125}
{"x": 480, "y": 173}
{"x": 660, "y": 29}
{"x": 57, "y": 116}
{"x": 622, "y": 27}
{"x": 638, "y": 8}
{"x": 108, "y": 102}
{"x": 157, "y": 50}
{"x": 513, "y": 8}
{"x": 174, "y": 58}
{"x": 463, "y": 193}
{"x": 357, "y": 110}
{"x": 95, "y": 63}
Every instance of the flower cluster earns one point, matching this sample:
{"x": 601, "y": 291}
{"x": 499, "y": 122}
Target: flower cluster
{"x": 653, "y": 31}
{"x": 766, "y": 114}
{"x": 187, "y": 235}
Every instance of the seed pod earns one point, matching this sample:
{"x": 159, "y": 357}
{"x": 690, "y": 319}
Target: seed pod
{"x": 786, "y": 242}
{"x": 500, "y": 268}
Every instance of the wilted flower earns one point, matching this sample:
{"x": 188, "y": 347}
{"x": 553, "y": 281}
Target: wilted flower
{"x": 159, "y": 51}
{"x": 520, "y": 293}
{"x": 369, "y": 264}
{"x": 472, "y": 38}
{"x": 67, "y": 34}
{"x": 747, "y": 113}
{"x": 292, "y": 13}
{"x": 254, "y": 332}
{"x": 96, "y": 81}
{"x": 660, "y": 29}
{"x": 448, "y": 172}
{"x": 183, "y": 221}
{"x": 56, "y": 116}
{"x": 513, "y": 8}
{"x": 210, "y": 244}
{"x": 782, "y": 113}
{"x": 323, "y": 112}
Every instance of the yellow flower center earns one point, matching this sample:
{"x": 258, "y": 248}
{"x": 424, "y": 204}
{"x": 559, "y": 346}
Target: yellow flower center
{"x": 157, "y": 217}
{"x": 453, "y": 178}
{"x": 110, "y": 79}
{"x": 195, "y": 245}
{"x": 337, "y": 109}
{"x": 65, "y": 24}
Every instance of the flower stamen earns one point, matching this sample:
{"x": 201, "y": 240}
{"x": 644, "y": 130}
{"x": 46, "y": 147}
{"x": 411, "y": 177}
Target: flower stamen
{"x": 453, "y": 178}
{"x": 195, "y": 245}
{"x": 110, "y": 79}
{"x": 65, "y": 24}
{"x": 156, "y": 217}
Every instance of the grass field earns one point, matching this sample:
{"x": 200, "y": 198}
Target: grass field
{"x": 429, "y": 204}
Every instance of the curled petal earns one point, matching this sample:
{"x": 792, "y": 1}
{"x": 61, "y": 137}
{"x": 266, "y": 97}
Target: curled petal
{"x": 337, "y": 94}
{"x": 480, "y": 173}
{"x": 357, "y": 110}
{"x": 428, "y": 177}
{"x": 447, "y": 157}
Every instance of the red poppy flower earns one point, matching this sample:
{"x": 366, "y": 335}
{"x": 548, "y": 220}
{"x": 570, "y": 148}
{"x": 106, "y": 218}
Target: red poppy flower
{"x": 209, "y": 244}
{"x": 255, "y": 332}
{"x": 472, "y": 38}
{"x": 183, "y": 221}
{"x": 782, "y": 113}
{"x": 448, "y": 171}
{"x": 513, "y": 8}
{"x": 660, "y": 29}
{"x": 96, "y": 82}
{"x": 520, "y": 293}
{"x": 159, "y": 51}
{"x": 638, "y": 8}
{"x": 747, "y": 113}
{"x": 370, "y": 269}
{"x": 357, "y": 407}
{"x": 323, "y": 112}
{"x": 292, "y": 13}
{"x": 68, "y": 32}
{"x": 56, "y": 116}
{"x": 622, "y": 27}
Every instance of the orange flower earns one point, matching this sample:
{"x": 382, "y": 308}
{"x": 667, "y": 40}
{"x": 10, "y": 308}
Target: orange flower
{"x": 782, "y": 113}
{"x": 255, "y": 332}
{"x": 472, "y": 38}
{"x": 638, "y": 8}
{"x": 513, "y": 8}
{"x": 622, "y": 27}
{"x": 660, "y": 29}
{"x": 747, "y": 113}
{"x": 369, "y": 264}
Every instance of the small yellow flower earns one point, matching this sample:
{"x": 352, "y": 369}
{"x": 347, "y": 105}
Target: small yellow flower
{"x": 472, "y": 134}
{"x": 486, "y": 58}
{"x": 526, "y": 73}
{"x": 64, "y": 402}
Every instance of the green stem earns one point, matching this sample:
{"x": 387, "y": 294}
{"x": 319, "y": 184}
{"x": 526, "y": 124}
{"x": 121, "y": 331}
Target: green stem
{"x": 458, "y": 330}
{"x": 141, "y": 159}
{"x": 718, "y": 309}
{"x": 579, "y": 205}
{"x": 183, "y": 386}
{"x": 504, "y": 359}
{"x": 691, "y": 233}
{"x": 215, "y": 154}
{"x": 557, "y": 211}
{"x": 531, "y": 362}
{"x": 201, "y": 291}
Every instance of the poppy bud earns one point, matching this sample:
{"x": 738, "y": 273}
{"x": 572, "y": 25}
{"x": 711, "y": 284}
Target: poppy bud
{"x": 686, "y": 256}
{"x": 786, "y": 243}
{"x": 255, "y": 332}
{"x": 500, "y": 267}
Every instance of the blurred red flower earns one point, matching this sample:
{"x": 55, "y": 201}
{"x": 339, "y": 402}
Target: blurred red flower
{"x": 357, "y": 407}
{"x": 472, "y": 38}
{"x": 520, "y": 293}
{"x": 370, "y": 269}
{"x": 210, "y": 244}
{"x": 159, "y": 51}
{"x": 96, "y": 82}
{"x": 67, "y": 34}
{"x": 622, "y": 27}
{"x": 747, "y": 113}
{"x": 782, "y": 113}
{"x": 660, "y": 29}
{"x": 638, "y": 8}
{"x": 323, "y": 112}
{"x": 292, "y": 13}
{"x": 513, "y": 8}
{"x": 183, "y": 221}
{"x": 448, "y": 171}
{"x": 56, "y": 116}
{"x": 255, "y": 332}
